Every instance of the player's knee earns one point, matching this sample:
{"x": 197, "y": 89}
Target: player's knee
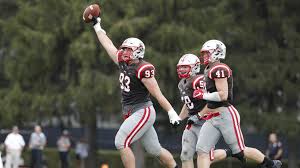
{"x": 154, "y": 151}
{"x": 201, "y": 150}
{"x": 202, "y": 153}
{"x": 186, "y": 155}
{"x": 119, "y": 142}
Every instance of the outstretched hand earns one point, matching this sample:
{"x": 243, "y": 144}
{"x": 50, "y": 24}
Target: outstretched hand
{"x": 174, "y": 118}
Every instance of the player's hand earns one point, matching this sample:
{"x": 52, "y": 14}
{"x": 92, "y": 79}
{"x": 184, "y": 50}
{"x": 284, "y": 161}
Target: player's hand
{"x": 174, "y": 118}
{"x": 95, "y": 20}
{"x": 198, "y": 94}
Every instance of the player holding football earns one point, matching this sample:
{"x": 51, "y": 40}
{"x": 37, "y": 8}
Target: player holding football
{"x": 188, "y": 69}
{"x": 136, "y": 82}
{"x": 219, "y": 97}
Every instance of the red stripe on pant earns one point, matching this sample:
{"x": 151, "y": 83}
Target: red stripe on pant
{"x": 138, "y": 127}
{"x": 211, "y": 154}
{"x": 236, "y": 129}
{"x": 236, "y": 113}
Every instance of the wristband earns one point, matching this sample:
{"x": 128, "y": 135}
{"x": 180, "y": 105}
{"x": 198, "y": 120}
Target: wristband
{"x": 98, "y": 28}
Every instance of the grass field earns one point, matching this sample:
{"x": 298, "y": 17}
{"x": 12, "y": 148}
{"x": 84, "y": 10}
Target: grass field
{"x": 113, "y": 159}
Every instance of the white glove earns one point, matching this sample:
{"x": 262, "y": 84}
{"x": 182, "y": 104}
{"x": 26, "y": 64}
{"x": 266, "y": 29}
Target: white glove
{"x": 174, "y": 118}
{"x": 97, "y": 24}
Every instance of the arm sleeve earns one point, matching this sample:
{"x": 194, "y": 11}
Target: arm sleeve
{"x": 219, "y": 71}
{"x": 145, "y": 71}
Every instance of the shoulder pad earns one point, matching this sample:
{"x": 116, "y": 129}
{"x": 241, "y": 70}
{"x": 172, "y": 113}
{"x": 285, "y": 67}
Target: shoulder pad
{"x": 145, "y": 71}
{"x": 219, "y": 71}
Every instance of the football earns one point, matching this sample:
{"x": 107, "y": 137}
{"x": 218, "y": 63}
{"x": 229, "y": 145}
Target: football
{"x": 90, "y": 11}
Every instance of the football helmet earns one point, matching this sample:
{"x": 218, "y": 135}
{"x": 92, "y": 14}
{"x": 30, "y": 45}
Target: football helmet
{"x": 188, "y": 65}
{"x": 211, "y": 51}
{"x": 131, "y": 48}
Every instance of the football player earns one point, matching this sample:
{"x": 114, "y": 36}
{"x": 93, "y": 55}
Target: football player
{"x": 137, "y": 82}
{"x": 188, "y": 69}
{"x": 219, "y": 97}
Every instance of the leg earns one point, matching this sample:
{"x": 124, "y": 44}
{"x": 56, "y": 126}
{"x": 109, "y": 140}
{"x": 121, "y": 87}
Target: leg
{"x": 132, "y": 129}
{"x": 39, "y": 158}
{"x": 16, "y": 159}
{"x": 152, "y": 146}
{"x": 187, "y": 163}
{"x": 259, "y": 157}
{"x": 254, "y": 154}
{"x": 189, "y": 141}
{"x": 33, "y": 158}
{"x": 219, "y": 154}
{"x": 63, "y": 159}
{"x": 203, "y": 160}
{"x": 167, "y": 159}
{"x": 8, "y": 161}
{"x": 231, "y": 131}
{"x": 127, "y": 157}
{"x": 67, "y": 159}
{"x": 208, "y": 137}
{"x": 237, "y": 144}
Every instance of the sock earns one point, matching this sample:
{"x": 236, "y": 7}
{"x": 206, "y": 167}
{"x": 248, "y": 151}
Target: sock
{"x": 267, "y": 162}
{"x": 228, "y": 152}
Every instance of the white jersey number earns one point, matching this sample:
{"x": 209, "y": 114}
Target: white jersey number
{"x": 220, "y": 74}
{"x": 188, "y": 102}
{"x": 149, "y": 73}
{"x": 124, "y": 82}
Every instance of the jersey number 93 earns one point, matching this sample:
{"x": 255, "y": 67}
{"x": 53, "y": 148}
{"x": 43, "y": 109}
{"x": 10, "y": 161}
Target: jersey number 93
{"x": 124, "y": 82}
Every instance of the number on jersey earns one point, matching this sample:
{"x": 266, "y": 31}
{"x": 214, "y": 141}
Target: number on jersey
{"x": 188, "y": 102}
{"x": 124, "y": 82}
{"x": 220, "y": 74}
{"x": 149, "y": 73}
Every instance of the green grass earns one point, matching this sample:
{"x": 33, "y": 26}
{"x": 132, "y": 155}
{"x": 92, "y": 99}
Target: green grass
{"x": 112, "y": 157}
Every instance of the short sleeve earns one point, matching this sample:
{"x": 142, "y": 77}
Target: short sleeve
{"x": 145, "y": 71}
{"x": 219, "y": 71}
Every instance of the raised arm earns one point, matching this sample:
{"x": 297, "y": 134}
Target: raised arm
{"x": 105, "y": 40}
{"x": 92, "y": 14}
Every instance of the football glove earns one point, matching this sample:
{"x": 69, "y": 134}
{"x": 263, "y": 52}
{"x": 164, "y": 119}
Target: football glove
{"x": 174, "y": 118}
